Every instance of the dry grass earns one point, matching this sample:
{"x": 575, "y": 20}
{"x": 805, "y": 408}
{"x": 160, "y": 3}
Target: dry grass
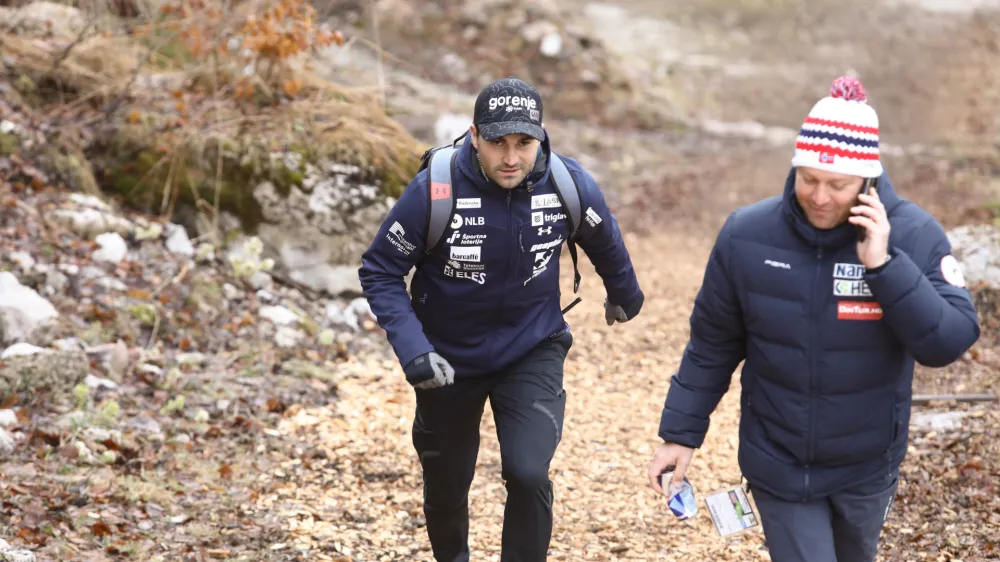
{"x": 95, "y": 65}
{"x": 194, "y": 125}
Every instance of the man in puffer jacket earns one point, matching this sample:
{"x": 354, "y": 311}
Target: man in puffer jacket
{"x": 484, "y": 320}
{"x": 830, "y": 295}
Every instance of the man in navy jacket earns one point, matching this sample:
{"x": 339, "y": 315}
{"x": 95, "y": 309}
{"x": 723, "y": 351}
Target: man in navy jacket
{"x": 829, "y": 295}
{"x": 483, "y": 317}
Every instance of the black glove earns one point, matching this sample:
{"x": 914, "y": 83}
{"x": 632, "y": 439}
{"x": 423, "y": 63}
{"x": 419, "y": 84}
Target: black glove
{"x": 613, "y": 312}
{"x": 430, "y": 370}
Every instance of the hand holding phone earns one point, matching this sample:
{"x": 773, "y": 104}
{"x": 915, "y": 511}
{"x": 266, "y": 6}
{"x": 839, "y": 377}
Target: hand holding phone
{"x": 866, "y": 188}
{"x": 871, "y": 218}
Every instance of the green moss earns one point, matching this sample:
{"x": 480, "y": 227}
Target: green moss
{"x": 74, "y": 168}
{"x": 393, "y": 184}
{"x": 9, "y": 144}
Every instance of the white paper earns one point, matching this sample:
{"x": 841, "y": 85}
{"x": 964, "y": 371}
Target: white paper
{"x": 731, "y": 511}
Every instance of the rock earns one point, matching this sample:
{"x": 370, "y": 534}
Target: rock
{"x": 21, "y": 349}
{"x": 91, "y": 222}
{"x": 47, "y": 19}
{"x": 335, "y": 314}
{"x": 334, "y": 280}
{"x": 939, "y": 421}
{"x": 52, "y": 371}
{"x": 261, "y": 280}
{"x": 145, "y": 424}
{"x": 55, "y": 282}
{"x": 315, "y": 233}
{"x": 551, "y": 45}
{"x": 113, "y": 247}
{"x": 537, "y": 30}
{"x": 22, "y": 259}
{"x": 977, "y": 248}
{"x": 326, "y": 337}
{"x": 151, "y": 232}
{"x": 357, "y": 312}
{"x": 6, "y": 449}
{"x": 178, "y": 241}
{"x": 279, "y": 315}
{"x": 67, "y": 344}
{"x": 288, "y": 337}
{"x": 8, "y": 418}
{"x": 90, "y": 201}
{"x": 191, "y": 358}
{"x": 449, "y": 127}
{"x": 96, "y": 383}
{"x": 25, "y": 316}
{"x": 230, "y": 292}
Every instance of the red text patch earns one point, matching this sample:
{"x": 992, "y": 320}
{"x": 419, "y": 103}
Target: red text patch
{"x": 859, "y": 310}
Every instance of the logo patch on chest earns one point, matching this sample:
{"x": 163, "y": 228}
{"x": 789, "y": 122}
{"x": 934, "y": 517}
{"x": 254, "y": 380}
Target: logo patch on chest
{"x": 545, "y": 201}
{"x": 851, "y": 288}
{"x": 848, "y": 271}
{"x": 859, "y": 310}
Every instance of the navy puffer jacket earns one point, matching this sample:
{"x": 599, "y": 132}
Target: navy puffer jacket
{"x": 829, "y": 347}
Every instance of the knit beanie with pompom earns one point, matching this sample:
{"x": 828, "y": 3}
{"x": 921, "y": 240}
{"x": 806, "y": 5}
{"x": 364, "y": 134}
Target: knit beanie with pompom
{"x": 841, "y": 133}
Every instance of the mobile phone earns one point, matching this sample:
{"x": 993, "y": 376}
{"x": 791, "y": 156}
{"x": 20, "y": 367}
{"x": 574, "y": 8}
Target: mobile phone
{"x": 866, "y": 188}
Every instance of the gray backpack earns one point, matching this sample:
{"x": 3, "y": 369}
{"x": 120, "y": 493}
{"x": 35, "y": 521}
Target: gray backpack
{"x": 441, "y": 161}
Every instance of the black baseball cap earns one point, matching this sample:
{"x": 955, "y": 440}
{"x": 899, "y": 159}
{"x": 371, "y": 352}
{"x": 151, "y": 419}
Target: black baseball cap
{"x": 506, "y": 107}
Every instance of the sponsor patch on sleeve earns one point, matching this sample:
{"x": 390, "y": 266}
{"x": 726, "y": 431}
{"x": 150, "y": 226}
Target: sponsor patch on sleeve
{"x": 951, "y": 270}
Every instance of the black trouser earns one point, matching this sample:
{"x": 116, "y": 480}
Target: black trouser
{"x": 528, "y": 403}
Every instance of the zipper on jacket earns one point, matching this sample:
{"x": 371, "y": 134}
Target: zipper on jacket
{"x": 815, "y": 320}
{"x": 513, "y": 252}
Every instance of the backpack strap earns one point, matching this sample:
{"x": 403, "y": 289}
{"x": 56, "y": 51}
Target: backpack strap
{"x": 569, "y": 193}
{"x": 442, "y": 203}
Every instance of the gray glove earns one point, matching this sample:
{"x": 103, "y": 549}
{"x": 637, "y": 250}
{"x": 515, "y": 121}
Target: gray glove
{"x": 613, "y": 313}
{"x": 430, "y": 370}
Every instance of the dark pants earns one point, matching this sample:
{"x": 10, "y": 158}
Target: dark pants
{"x": 844, "y": 527}
{"x": 528, "y": 403}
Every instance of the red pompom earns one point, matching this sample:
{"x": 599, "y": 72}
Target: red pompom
{"x": 848, "y": 88}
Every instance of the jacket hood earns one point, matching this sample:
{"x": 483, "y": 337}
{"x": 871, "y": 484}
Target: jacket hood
{"x": 468, "y": 166}
{"x": 839, "y": 235}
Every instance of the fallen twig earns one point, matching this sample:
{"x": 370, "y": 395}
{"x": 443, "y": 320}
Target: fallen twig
{"x": 925, "y": 398}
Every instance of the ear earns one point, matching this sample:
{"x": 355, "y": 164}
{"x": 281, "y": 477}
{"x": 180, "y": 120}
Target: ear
{"x": 474, "y": 135}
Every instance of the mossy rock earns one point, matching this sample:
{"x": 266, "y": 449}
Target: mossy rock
{"x": 154, "y": 165}
{"x": 9, "y": 144}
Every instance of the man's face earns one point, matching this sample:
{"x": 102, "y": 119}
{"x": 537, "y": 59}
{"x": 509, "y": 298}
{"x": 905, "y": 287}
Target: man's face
{"x": 507, "y": 159}
{"x": 826, "y": 197}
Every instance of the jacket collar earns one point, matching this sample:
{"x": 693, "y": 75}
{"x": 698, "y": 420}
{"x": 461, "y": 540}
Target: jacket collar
{"x": 838, "y": 236}
{"x": 471, "y": 171}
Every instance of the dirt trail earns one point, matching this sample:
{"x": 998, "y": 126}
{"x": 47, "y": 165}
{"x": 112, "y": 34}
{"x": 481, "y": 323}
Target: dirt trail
{"x": 615, "y": 380}
{"x": 359, "y": 499}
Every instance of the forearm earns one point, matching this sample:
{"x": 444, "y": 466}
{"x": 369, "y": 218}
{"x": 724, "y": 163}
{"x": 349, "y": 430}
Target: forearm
{"x": 390, "y": 304}
{"x": 695, "y": 391}
{"x": 936, "y": 328}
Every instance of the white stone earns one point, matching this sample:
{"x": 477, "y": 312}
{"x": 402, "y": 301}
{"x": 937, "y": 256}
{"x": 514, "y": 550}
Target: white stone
{"x": 24, "y": 314}
{"x": 113, "y": 247}
{"x": 21, "y": 349}
{"x": 279, "y": 315}
{"x": 8, "y": 418}
{"x": 178, "y": 241}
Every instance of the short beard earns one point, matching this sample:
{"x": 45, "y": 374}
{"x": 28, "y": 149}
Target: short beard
{"x": 499, "y": 182}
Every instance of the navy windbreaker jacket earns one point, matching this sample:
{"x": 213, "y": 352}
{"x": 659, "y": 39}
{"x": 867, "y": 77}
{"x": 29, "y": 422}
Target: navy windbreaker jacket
{"x": 829, "y": 347}
{"x": 489, "y": 291}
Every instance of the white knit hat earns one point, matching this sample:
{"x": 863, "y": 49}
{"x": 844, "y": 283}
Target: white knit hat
{"x": 841, "y": 133}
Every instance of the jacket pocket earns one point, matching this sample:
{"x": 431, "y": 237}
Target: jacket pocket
{"x": 893, "y": 429}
